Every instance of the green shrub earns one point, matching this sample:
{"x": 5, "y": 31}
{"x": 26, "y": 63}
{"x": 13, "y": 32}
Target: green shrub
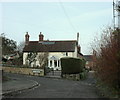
{"x": 84, "y": 62}
{"x": 83, "y": 65}
{"x": 83, "y": 75}
{"x": 71, "y": 65}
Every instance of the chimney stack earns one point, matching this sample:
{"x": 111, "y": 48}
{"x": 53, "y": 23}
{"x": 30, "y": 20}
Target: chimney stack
{"x": 77, "y": 37}
{"x": 41, "y": 37}
{"x": 27, "y": 38}
{"x": 79, "y": 49}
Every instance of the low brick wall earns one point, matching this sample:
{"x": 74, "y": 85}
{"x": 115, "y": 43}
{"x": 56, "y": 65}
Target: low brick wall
{"x": 28, "y": 71}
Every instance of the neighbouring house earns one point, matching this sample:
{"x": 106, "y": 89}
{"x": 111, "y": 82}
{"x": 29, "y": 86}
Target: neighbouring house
{"x": 89, "y": 61}
{"x": 55, "y": 50}
{"x": 12, "y": 56}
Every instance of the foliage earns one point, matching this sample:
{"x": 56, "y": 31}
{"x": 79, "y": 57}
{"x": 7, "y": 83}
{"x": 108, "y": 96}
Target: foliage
{"x": 83, "y": 65}
{"x": 18, "y": 61}
{"x": 83, "y": 75}
{"x": 106, "y": 91}
{"x": 8, "y": 45}
{"x": 107, "y": 58}
{"x": 71, "y": 65}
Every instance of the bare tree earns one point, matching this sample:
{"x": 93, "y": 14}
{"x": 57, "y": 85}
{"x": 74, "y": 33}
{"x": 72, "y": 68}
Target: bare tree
{"x": 20, "y": 46}
{"x": 42, "y": 58}
{"x": 106, "y": 58}
{"x": 31, "y": 57}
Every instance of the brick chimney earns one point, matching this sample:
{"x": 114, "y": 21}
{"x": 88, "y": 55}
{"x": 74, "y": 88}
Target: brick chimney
{"x": 27, "y": 38}
{"x": 77, "y": 37}
{"x": 41, "y": 37}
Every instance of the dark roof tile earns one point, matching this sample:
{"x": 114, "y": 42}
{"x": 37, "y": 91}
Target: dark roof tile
{"x": 50, "y": 46}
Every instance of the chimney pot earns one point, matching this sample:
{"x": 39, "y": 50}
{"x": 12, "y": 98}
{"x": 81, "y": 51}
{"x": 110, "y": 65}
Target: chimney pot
{"x": 41, "y": 36}
{"x": 27, "y": 38}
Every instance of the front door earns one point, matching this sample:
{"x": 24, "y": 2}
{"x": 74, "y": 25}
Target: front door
{"x": 54, "y": 63}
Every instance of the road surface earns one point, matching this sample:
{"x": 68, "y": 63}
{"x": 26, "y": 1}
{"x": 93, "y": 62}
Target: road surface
{"x": 57, "y": 88}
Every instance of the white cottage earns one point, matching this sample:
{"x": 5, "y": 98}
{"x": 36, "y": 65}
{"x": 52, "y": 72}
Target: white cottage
{"x": 55, "y": 50}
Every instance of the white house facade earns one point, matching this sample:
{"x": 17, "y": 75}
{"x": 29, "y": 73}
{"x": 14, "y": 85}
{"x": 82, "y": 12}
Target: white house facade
{"x": 55, "y": 49}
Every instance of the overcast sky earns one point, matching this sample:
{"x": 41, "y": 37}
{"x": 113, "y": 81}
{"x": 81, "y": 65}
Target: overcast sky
{"x": 56, "y": 20}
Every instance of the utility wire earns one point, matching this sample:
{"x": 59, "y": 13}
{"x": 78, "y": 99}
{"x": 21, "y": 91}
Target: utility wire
{"x": 68, "y": 18}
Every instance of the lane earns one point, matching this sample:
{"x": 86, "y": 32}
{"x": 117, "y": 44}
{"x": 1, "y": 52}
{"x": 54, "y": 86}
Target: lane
{"x": 57, "y": 88}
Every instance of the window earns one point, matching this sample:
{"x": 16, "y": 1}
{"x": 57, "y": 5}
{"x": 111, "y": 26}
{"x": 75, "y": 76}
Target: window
{"x": 50, "y": 63}
{"x": 58, "y": 63}
{"x": 66, "y": 53}
{"x": 55, "y": 63}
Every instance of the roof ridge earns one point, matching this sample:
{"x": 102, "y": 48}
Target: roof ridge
{"x": 56, "y": 41}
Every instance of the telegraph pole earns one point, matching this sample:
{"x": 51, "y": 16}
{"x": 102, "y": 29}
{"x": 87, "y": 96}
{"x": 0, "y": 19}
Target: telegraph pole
{"x": 116, "y": 13}
{"x": 118, "y": 10}
{"x": 113, "y": 14}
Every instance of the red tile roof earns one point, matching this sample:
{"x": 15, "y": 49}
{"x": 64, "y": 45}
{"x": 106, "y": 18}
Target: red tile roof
{"x": 50, "y": 46}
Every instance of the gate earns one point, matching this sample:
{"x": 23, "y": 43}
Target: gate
{"x": 54, "y": 74}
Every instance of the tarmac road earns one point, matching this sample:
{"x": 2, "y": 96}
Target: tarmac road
{"x": 57, "y": 88}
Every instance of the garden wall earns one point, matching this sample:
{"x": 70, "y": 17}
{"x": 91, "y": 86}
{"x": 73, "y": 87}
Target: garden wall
{"x": 27, "y": 71}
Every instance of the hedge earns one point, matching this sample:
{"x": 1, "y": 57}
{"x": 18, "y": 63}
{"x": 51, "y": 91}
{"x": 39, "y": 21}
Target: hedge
{"x": 83, "y": 74}
{"x": 83, "y": 65}
{"x": 72, "y": 65}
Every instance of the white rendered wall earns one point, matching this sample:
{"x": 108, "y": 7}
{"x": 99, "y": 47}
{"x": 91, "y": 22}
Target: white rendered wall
{"x": 24, "y": 57}
{"x": 58, "y": 55}
{"x": 75, "y": 53}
